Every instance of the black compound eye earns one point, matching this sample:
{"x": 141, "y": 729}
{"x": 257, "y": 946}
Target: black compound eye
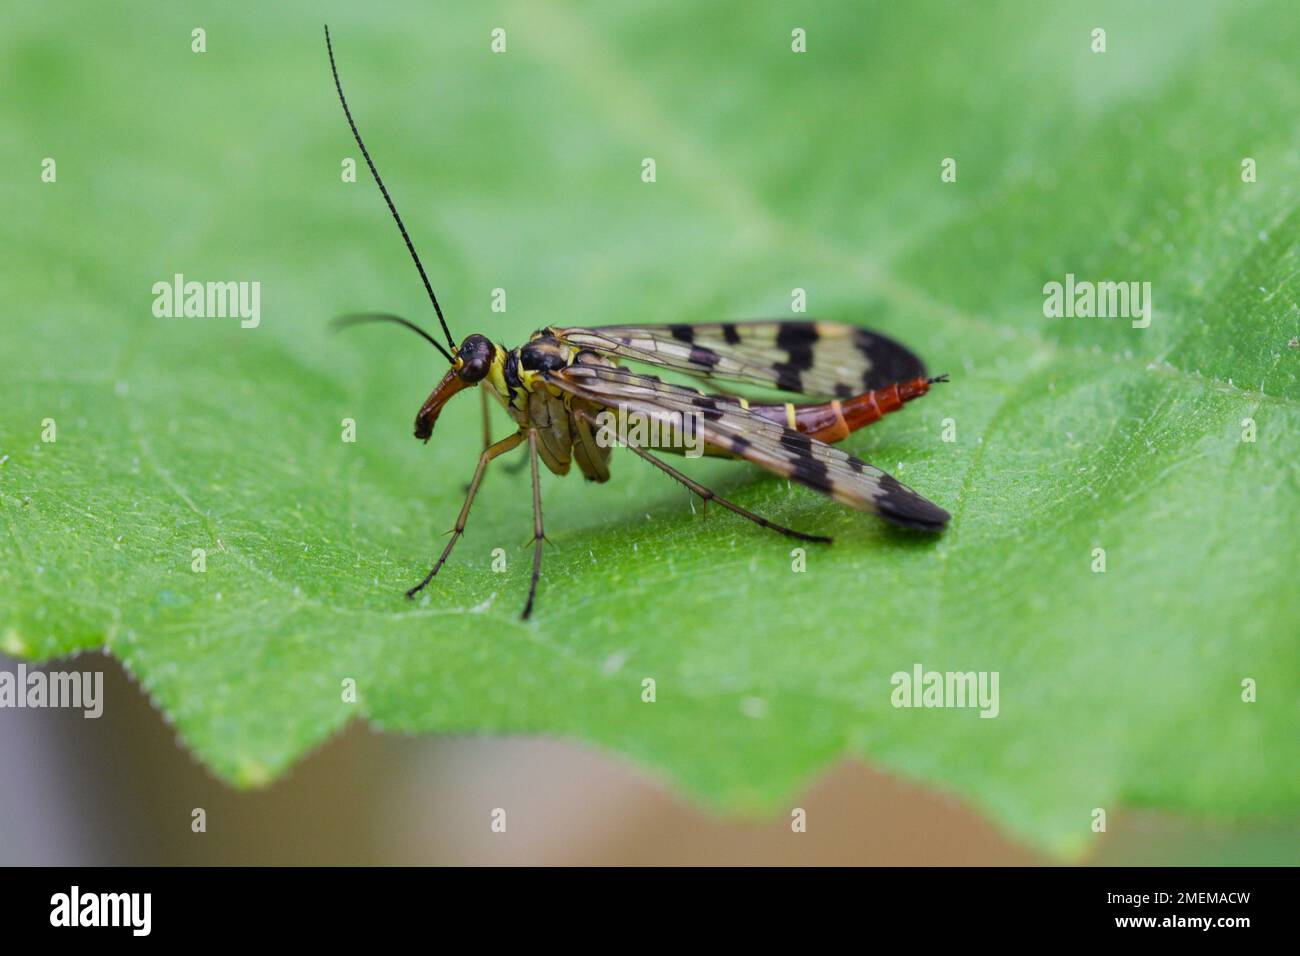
{"x": 476, "y": 358}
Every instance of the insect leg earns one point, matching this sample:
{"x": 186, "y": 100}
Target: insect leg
{"x": 510, "y": 468}
{"x": 492, "y": 451}
{"x": 487, "y": 424}
{"x": 487, "y": 420}
{"x": 710, "y": 495}
{"x": 538, "y": 534}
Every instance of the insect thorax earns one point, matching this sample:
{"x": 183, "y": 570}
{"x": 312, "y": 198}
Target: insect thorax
{"x": 518, "y": 372}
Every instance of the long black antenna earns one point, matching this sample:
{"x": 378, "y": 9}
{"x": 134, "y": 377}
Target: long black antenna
{"x": 344, "y": 321}
{"x": 388, "y": 199}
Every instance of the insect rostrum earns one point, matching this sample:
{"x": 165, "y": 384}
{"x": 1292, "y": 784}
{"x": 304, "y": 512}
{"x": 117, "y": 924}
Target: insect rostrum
{"x": 556, "y": 385}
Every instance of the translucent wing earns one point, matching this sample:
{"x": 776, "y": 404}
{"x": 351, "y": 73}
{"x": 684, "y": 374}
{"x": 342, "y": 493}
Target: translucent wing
{"x": 812, "y": 358}
{"x": 726, "y": 426}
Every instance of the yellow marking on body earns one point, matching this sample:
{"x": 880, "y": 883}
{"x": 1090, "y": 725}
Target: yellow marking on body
{"x": 841, "y": 424}
{"x": 791, "y": 418}
{"x": 496, "y": 375}
{"x": 744, "y": 403}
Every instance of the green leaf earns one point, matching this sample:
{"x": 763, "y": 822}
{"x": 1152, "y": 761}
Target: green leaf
{"x": 775, "y": 171}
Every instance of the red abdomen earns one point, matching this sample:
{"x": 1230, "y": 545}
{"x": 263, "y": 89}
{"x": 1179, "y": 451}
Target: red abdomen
{"x": 834, "y": 420}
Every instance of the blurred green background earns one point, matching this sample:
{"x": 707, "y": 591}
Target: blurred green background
{"x": 775, "y": 171}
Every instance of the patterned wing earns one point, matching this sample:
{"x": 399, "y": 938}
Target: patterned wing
{"x": 728, "y": 427}
{"x": 813, "y": 358}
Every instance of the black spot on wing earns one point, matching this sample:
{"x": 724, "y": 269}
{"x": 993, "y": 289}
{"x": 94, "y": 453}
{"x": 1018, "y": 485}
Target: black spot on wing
{"x": 708, "y": 406}
{"x": 843, "y": 391}
{"x": 703, "y": 356}
{"x": 903, "y": 506}
{"x": 729, "y": 334}
{"x": 798, "y": 339}
{"x": 886, "y": 361}
{"x": 796, "y": 441}
{"x": 813, "y": 473}
{"x": 682, "y": 333}
{"x": 788, "y": 379}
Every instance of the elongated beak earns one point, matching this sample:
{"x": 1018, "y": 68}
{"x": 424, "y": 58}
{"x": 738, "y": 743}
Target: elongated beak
{"x": 451, "y": 384}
